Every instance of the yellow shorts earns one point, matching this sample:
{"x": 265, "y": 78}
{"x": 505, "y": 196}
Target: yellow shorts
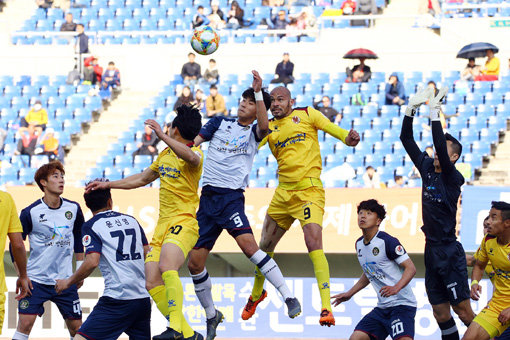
{"x": 2, "y": 310}
{"x": 180, "y": 230}
{"x": 306, "y": 205}
{"x": 488, "y": 319}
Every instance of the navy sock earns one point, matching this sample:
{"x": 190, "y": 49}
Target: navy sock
{"x": 449, "y": 330}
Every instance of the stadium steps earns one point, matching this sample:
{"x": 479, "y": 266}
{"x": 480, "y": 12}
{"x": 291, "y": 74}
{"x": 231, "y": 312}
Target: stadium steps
{"x": 397, "y": 8}
{"x": 105, "y": 132}
{"x": 497, "y": 171}
{"x": 12, "y": 18}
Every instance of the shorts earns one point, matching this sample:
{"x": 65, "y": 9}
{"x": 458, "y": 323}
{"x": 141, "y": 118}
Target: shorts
{"x": 306, "y": 205}
{"x": 218, "y": 210}
{"x": 180, "y": 230}
{"x": 2, "y": 310}
{"x": 68, "y": 302}
{"x": 111, "y": 317}
{"x": 488, "y": 319}
{"x": 397, "y": 322}
{"x": 504, "y": 336}
{"x": 446, "y": 276}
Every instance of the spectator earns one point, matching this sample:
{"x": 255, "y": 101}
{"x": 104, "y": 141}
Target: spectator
{"x": 327, "y": 110}
{"x": 471, "y": 71}
{"x": 279, "y": 21}
{"x": 284, "y": 71}
{"x": 490, "y": 71}
{"x": 199, "y": 101}
{"x": 37, "y": 116}
{"x": 191, "y": 71}
{"x": 148, "y": 144}
{"x": 395, "y": 93}
{"x": 273, "y": 3}
{"x": 200, "y": 18}
{"x": 45, "y": 4}
{"x": 360, "y": 73}
{"x": 186, "y": 97}
{"x": 82, "y": 40}
{"x": 3, "y": 137}
{"x": 215, "y": 103}
{"x": 93, "y": 73}
{"x": 235, "y": 18}
{"x": 414, "y": 173}
{"x": 398, "y": 182}
{"x": 371, "y": 178}
{"x": 28, "y": 141}
{"x": 211, "y": 74}
{"x": 69, "y": 25}
{"x": 366, "y": 7}
{"x": 50, "y": 144}
{"x": 348, "y": 7}
{"x": 293, "y": 29}
{"x": 111, "y": 78}
{"x": 306, "y": 19}
{"x": 216, "y": 17}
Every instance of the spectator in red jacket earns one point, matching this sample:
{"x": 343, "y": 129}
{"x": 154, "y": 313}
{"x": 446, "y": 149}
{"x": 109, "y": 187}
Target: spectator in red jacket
{"x": 348, "y": 7}
{"x": 92, "y": 64}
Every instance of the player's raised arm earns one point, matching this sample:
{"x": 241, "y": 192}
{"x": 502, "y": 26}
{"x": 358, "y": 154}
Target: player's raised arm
{"x": 131, "y": 182}
{"x": 349, "y": 137}
{"x": 342, "y": 297}
{"x": 262, "y": 119}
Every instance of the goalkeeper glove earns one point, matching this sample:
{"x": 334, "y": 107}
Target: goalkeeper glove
{"x": 435, "y": 102}
{"x": 417, "y": 100}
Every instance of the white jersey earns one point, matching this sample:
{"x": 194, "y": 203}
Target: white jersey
{"x": 230, "y": 154}
{"x": 119, "y": 239}
{"x": 54, "y": 235}
{"x": 380, "y": 261}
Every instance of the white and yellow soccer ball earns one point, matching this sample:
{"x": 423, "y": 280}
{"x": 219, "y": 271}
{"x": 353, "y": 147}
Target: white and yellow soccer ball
{"x": 205, "y": 40}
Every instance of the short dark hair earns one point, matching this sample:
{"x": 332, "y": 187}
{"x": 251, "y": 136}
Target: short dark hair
{"x": 373, "y": 206}
{"x": 191, "y": 53}
{"x": 97, "y": 199}
{"x": 471, "y": 59}
{"x": 111, "y": 63}
{"x": 188, "y": 121}
{"x": 80, "y": 25}
{"x": 397, "y": 177}
{"x": 214, "y": 61}
{"x": 503, "y": 207}
{"x": 46, "y": 171}
{"x": 200, "y": 7}
{"x": 432, "y": 82}
{"x": 213, "y": 87}
{"x": 457, "y": 147}
{"x": 369, "y": 167}
{"x": 250, "y": 94}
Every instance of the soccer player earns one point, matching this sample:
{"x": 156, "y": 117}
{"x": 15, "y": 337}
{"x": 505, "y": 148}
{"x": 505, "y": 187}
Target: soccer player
{"x": 117, "y": 244}
{"x": 382, "y": 259}
{"x": 446, "y": 279}
{"x": 179, "y": 168}
{"x": 233, "y": 145}
{"x": 53, "y": 226}
{"x": 494, "y": 319}
{"x": 293, "y": 140}
{"x": 11, "y": 226}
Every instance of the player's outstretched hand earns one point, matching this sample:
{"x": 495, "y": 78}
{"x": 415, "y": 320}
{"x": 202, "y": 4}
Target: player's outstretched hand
{"x": 504, "y": 316}
{"x": 476, "y": 290}
{"x": 23, "y": 287}
{"x": 61, "y": 285}
{"x": 417, "y": 100}
{"x": 257, "y": 81}
{"x": 155, "y": 127}
{"x": 96, "y": 185}
{"x": 352, "y": 138}
{"x": 339, "y": 298}
{"x": 388, "y": 291}
{"x": 435, "y": 102}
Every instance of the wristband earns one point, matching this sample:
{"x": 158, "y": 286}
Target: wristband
{"x": 474, "y": 282}
{"x": 78, "y": 264}
{"x": 435, "y": 114}
{"x": 410, "y": 111}
{"x": 259, "y": 96}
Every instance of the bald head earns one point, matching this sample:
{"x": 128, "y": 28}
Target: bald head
{"x": 281, "y": 91}
{"x": 281, "y": 102}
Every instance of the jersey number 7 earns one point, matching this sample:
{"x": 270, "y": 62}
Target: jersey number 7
{"x": 120, "y": 246}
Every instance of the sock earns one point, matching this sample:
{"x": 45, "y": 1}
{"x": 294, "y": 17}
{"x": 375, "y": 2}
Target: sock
{"x": 203, "y": 286}
{"x": 159, "y": 296}
{"x": 258, "y": 284}
{"x": 187, "y": 331}
{"x": 175, "y": 297}
{"x": 449, "y": 330}
{"x": 19, "y": 336}
{"x": 268, "y": 267}
{"x": 321, "y": 269}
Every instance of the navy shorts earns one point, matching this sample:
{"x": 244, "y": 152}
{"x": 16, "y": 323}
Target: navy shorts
{"x": 397, "y": 322}
{"x": 68, "y": 302}
{"x": 446, "y": 275}
{"x": 220, "y": 209}
{"x": 112, "y": 317}
{"x": 504, "y": 336}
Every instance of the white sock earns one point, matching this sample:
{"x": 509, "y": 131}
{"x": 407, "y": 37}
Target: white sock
{"x": 271, "y": 271}
{"x": 19, "y": 336}
{"x": 203, "y": 286}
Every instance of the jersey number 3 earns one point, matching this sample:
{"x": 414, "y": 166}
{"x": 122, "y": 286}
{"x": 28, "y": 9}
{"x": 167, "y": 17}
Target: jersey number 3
{"x": 133, "y": 255}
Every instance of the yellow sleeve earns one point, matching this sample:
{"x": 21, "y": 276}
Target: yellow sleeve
{"x": 15, "y": 224}
{"x": 263, "y": 142}
{"x": 322, "y": 123}
{"x": 492, "y": 66}
{"x": 481, "y": 253}
{"x": 199, "y": 153}
{"x": 28, "y": 117}
{"x": 155, "y": 165}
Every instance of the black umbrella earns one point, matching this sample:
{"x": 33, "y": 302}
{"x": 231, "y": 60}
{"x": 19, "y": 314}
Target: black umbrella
{"x": 360, "y": 53}
{"x": 476, "y": 50}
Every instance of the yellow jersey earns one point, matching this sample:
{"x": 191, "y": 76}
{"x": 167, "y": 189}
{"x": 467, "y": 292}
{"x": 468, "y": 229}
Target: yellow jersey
{"x": 492, "y": 67}
{"x": 178, "y": 192}
{"x": 489, "y": 271}
{"x": 9, "y": 223}
{"x": 37, "y": 117}
{"x": 293, "y": 140}
{"x": 499, "y": 257}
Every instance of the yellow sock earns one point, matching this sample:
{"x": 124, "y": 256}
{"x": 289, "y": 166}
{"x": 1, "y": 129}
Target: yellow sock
{"x": 159, "y": 296}
{"x": 175, "y": 296}
{"x": 321, "y": 269}
{"x": 258, "y": 284}
{"x": 187, "y": 331}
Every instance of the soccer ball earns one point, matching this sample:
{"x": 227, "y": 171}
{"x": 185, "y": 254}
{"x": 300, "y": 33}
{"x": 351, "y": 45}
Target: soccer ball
{"x": 205, "y": 40}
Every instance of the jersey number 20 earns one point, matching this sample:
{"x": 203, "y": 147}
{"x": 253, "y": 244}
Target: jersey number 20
{"x": 133, "y": 255}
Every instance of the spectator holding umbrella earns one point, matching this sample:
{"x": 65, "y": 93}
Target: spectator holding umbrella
{"x": 360, "y": 73}
{"x": 490, "y": 71}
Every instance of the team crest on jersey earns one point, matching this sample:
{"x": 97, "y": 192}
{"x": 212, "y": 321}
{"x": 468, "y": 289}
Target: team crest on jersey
{"x": 69, "y": 215}
{"x": 296, "y": 119}
{"x": 86, "y": 240}
{"x": 23, "y": 304}
{"x": 375, "y": 251}
{"x": 399, "y": 250}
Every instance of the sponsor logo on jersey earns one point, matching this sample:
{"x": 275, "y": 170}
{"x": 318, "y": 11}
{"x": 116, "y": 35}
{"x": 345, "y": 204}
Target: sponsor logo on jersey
{"x": 359, "y": 253}
{"x": 23, "y": 304}
{"x": 171, "y": 303}
{"x": 86, "y": 240}
{"x": 69, "y": 215}
{"x": 375, "y": 251}
{"x": 399, "y": 250}
{"x": 296, "y": 120}
{"x": 325, "y": 285}
{"x": 42, "y": 219}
